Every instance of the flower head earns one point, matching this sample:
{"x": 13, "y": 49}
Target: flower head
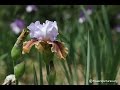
{"x": 89, "y": 10}
{"x": 117, "y": 28}
{"x": 118, "y": 16}
{"x": 47, "y": 31}
{"x": 10, "y": 80}
{"x": 17, "y": 26}
{"x": 43, "y": 36}
{"x": 30, "y": 8}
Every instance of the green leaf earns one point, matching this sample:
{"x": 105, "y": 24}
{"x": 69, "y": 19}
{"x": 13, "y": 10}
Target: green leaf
{"x": 3, "y": 56}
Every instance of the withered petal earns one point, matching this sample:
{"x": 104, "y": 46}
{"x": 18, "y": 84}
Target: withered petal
{"x": 28, "y": 45}
{"x": 59, "y": 49}
{"x": 39, "y": 47}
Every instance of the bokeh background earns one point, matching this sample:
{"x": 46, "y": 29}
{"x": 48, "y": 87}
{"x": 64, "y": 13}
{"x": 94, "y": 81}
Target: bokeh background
{"x": 91, "y": 33}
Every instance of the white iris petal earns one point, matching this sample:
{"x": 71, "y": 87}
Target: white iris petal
{"x": 45, "y": 31}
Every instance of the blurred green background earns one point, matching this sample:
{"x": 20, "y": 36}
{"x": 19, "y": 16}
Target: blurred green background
{"x": 91, "y": 33}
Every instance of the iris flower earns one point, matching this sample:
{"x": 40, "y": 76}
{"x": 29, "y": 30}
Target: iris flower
{"x": 30, "y": 8}
{"x": 10, "y": 80}
{"x": 89, "y": 10}
{"x": 17, "y": 26}
{"x": 117, "y": 28}
{"x": 44, "y": 37}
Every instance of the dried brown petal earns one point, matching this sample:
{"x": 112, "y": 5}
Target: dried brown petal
{"x": 39, "y": 47}
{"x": 28, "y": 45}
{"x": 59, "y": 49}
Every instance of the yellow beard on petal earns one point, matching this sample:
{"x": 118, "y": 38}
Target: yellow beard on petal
{"x": 39, "y": 47}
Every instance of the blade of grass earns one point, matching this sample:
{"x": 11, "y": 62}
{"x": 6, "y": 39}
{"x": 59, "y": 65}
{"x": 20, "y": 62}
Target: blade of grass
{"x": 116, "y": 63}
{"x": 3, "y": 56}
{"x": 40, "y": 67}
{"x": 96, "y": 51}
{"x": 101, "y": 42}
{"x": 109, "y": 43}
{"x": 88, "y": 62}
{"x": 87, "y": 17}
{"x": 66, "y": 72}
{"x": 107, "y": 29}
{"x": 51, "y": 73}
{"x": 35, "y": 75}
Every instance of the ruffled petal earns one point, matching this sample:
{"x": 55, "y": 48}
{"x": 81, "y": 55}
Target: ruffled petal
{"x": 28, "y": 45}
{"x": 47, "y": 31}
{"x": 59, "y": 49}
{"x": 31, "y": 26}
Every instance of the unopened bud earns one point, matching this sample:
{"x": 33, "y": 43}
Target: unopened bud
{"x": 19, "y": 70}
{"x": 16, "y": 51}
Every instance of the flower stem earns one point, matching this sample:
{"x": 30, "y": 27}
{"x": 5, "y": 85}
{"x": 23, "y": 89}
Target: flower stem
{"x": 51, "y": 74}
{"x": 40, "y": 68}
{"x": 17, "y": 82}
{"x": 88, "y": 62}
{"x": 47, "y": 68}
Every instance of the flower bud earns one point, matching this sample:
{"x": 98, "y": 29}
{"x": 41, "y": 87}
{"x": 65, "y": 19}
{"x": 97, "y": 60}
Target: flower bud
{"x": 16, "y": 51}
{"x": 19, "y": 70}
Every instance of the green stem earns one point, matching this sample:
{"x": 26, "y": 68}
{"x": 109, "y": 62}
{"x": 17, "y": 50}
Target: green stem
{"x": 17, "y": 82}
{"x": 52, "y": 70}
{"x": 16, "y": 53}
{"x": 35, "y": 75}
{"x": 40, "y": 68}
{"x": 88, "y": 62}
{"x": 47, "y": 68}
{"x": 66, "y": 72}
{"x": 51, "y": 74}
{"x": 14, "y": 73}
